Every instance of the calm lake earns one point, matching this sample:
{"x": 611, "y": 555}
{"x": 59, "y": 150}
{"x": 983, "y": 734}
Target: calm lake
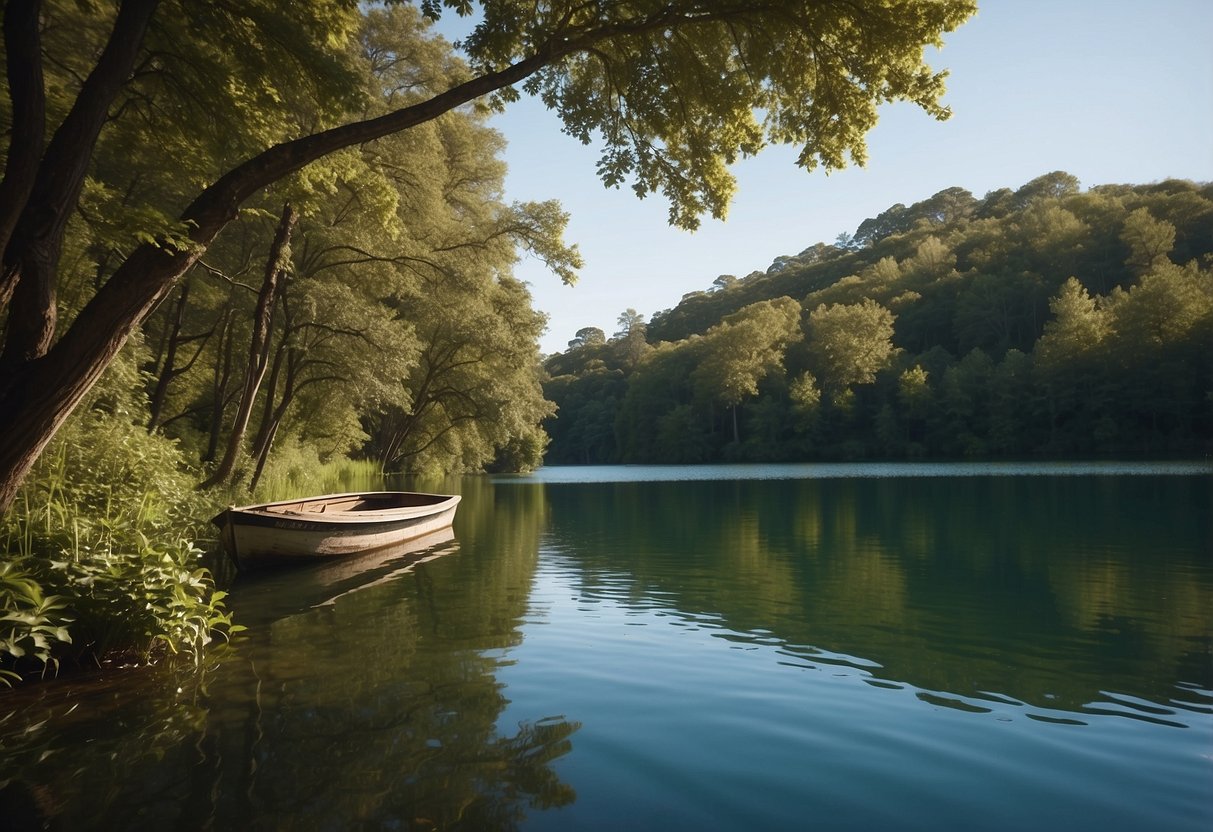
{"x": 760, "y": 647}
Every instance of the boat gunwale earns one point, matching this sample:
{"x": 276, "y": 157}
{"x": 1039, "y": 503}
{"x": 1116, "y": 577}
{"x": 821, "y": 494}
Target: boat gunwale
{"x": 346, "y": 494}
{"x": 278, "y": 509}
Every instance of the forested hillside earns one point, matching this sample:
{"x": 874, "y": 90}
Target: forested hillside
{"x": 1041, "y": 321}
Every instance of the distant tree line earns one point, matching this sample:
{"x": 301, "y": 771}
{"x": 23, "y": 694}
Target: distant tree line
{"x": 1042, "y": 321}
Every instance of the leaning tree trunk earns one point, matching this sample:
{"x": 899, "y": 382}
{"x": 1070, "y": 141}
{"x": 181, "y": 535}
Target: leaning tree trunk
{"x": 266, "y": 428}
{"x": 31, "y": 256}
{"x": 259, "y": 347}
{"x": 273, "y": 418}
{"x": 41, "y": 393}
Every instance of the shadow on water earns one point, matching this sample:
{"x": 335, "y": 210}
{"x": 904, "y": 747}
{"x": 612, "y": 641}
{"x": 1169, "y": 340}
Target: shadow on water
{"x": 261, "y": 597}
{"x": 364, "y": 695}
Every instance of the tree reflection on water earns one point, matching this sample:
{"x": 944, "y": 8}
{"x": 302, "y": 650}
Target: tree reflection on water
{"x": 1049, "y": 590}
{"x": 371, "y": 694}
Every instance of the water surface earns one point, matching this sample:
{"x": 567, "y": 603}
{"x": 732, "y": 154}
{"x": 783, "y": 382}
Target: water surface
{"x": 751, "y": 648}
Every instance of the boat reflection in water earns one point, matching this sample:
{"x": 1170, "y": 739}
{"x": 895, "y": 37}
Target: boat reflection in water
{"x": 265, "y": 596}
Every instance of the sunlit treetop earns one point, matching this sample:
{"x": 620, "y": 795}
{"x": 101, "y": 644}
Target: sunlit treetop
{"x": 677, "y": 91}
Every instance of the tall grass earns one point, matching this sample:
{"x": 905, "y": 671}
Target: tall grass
{"x": 295, "y": 469}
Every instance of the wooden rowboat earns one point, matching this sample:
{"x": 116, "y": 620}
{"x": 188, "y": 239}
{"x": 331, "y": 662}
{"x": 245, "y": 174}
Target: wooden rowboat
{"x": 332, "y": 525}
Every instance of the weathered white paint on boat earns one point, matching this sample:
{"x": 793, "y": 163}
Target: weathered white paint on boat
{"x": 331, "y": 525}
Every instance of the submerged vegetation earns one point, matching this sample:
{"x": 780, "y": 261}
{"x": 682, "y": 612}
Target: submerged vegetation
{"x": 1043, "y": 321}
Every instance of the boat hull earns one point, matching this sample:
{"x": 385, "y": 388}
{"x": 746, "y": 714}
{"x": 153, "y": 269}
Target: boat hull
{"x": 300, "y": 531}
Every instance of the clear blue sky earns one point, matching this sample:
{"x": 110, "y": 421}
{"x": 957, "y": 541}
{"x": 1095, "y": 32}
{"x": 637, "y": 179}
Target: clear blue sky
{"x": 1108, "y": 90}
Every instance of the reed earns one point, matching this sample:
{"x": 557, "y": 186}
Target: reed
{"x": 295, "y": 470}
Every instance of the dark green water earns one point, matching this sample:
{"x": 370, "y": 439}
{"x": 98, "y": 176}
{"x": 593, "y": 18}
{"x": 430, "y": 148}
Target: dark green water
{"x": 997, "y": 650}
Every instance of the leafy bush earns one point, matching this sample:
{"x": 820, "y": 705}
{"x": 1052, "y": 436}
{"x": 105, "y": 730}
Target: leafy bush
{"x": 32, "y": 625}
{"x": 100, "y": 555}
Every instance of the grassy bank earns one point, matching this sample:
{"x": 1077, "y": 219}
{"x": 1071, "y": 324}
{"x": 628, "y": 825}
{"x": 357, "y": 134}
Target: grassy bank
{"x": 100, "y": 558}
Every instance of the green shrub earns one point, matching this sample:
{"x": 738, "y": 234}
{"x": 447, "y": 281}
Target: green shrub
{"x": 100, "y": 560}
{"x": 32, "y": 625}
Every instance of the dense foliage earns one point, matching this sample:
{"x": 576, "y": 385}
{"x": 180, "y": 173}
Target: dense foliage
{"x": 323, "y": 318}
{"x": 1045, "y": 320}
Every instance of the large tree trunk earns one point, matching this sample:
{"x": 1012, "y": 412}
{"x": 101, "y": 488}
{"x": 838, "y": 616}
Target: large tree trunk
{"x": 41, "y": 393}
{"x": 259, "y": 347}
{"x": 23, "y": 44}
{"x": 31, "y": 258}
